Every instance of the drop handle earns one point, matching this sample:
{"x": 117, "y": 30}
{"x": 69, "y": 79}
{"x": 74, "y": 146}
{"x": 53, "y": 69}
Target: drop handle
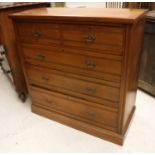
{"x": 89, "y": 38}
{"x": 40, "y": 57}
{"x": 36, "y": 34}
{"x": 49, "y": 102}
{"x": 90, "y": 91}
{"x": 92, "y": 114}
{"x": 90, "y": 63}
{"x": 45, "y": 78}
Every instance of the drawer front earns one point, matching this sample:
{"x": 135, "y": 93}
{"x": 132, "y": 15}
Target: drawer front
{"x": 75, "y": 60}
{"x": 63, "y": 81}
{"x": 39, "y": 33}
{"x": 74, "y": 107}
{"x": 102, "y": 38}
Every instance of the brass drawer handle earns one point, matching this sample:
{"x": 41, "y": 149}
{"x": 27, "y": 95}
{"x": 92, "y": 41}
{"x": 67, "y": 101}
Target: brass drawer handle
{"x": 40, "y": 57}
{"x": 90, "y": 63}
{"x": 92, "y": 114}
{"x": 48, "y": 102}
{"x": 89, "y": 38}
{"x": 45, "y": 78}
{"x": 90, "y": 91}
{"x": 36, "y": 34}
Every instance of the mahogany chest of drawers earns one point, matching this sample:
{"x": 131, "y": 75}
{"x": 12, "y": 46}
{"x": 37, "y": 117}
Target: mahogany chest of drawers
{"x": 81, "y": 66}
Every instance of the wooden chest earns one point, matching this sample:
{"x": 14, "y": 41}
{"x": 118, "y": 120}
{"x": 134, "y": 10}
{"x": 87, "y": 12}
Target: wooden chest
{"x": 8, "y": 46}
{"x": 81, "y": 66}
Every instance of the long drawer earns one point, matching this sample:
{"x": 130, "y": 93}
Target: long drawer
{"x": 85, "y": 62}
{"x": 74, "y": 107}
{"x": 67, "y": 84}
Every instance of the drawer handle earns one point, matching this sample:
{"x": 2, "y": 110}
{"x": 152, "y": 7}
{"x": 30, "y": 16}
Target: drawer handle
{"x": 92, "y": 114}
{"x": 89, "y": 38}
{"x": 48, "y": 102}
{"x": 90, "y": 64}
{"x": 45, "y": 78}
{"x": 90, "y": 91}
{"x": 36, "y": 34}
{"x": 40, "y": 57}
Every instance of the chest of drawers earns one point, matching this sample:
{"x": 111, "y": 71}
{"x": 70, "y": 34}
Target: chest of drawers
{"x": 81, "y": 66}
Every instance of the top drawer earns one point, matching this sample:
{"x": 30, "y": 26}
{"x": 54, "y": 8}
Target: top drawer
{"x": 99, "y": 38}
{"x": 39, "y": 33}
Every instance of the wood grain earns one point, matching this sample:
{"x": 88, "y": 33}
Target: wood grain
{"x": 113, "y": 15}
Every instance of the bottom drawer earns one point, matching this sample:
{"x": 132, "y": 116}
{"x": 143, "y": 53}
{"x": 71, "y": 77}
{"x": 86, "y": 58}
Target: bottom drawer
{"x": 75, "y": 108}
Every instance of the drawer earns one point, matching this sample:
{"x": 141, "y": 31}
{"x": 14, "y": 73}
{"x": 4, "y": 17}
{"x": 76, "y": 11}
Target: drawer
{"x": 105, "y": 39}
{"x": 73, "y": 107}
{"x": 64, "y": 83}
{"x": 85, "y": 62}
{"x": 38, "y": 33}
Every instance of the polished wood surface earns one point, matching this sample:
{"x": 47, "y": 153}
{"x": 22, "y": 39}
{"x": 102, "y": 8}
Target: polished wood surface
{"x": 8, "y": 41}
{"x": 80, "y": 72}
{"x": 113, "y": 15}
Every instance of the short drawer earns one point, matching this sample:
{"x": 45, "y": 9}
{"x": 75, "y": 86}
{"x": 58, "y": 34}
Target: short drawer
{"x": 39, "y": 33}
{"x": 85, "y": 62}
{"x": 74, "y": 107}
{"x": 70, "y": 85}
{"x": 104, "y": 39}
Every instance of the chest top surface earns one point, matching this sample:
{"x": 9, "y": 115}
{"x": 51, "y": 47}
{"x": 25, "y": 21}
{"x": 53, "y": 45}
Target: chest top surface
{"x": 84, "y": 14}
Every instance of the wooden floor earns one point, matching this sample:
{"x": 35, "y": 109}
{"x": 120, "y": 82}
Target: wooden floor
{"x": 23, "y": 131}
